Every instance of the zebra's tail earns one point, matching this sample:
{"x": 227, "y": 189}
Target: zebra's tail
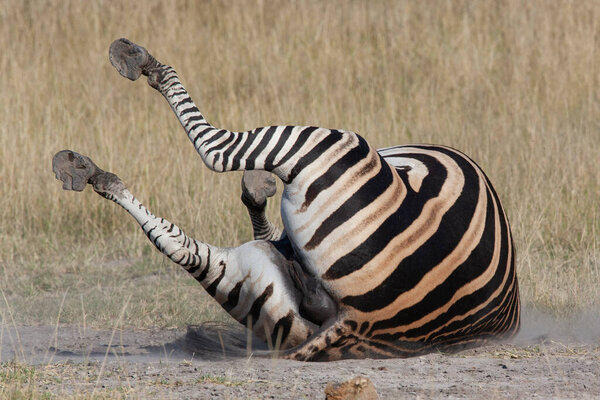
{"x": 220, "y": 341}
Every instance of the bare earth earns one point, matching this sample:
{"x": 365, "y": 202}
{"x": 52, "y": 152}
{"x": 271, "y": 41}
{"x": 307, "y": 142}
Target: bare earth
{"x": 149, "y": 364}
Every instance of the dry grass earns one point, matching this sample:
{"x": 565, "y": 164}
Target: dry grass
{"x": 514, "y": 84}
{"x": 63, "y": 381}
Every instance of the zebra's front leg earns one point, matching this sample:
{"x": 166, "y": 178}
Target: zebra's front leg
{"x": 257, "y": 186}
{"x": 251, "y": 282}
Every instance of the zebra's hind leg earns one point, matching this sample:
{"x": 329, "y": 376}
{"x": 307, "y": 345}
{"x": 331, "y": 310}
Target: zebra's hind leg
{"x": 257, "y": 186}
{"x": 130, "y": 59}
{"x": 325, "y": 345}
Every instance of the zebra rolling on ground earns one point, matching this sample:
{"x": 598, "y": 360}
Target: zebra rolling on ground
{"x": 385, "y": 253}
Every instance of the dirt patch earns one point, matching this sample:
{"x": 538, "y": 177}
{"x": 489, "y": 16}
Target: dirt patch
{"x": 149, "y": 363}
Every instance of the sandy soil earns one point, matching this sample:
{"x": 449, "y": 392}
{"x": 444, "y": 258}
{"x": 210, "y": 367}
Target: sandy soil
{"x": 151, "y": 364}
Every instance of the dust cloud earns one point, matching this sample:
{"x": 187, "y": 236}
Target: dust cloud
{"x": 537, "y": 326}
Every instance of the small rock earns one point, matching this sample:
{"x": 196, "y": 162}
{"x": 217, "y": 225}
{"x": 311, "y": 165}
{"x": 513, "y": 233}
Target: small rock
{"x": 359, "y": 388}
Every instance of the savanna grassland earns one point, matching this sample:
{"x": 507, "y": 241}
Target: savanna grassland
{"x": 515, "y": 85}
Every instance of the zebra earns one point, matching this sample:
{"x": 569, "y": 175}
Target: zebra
{"x": 385, "y": 253}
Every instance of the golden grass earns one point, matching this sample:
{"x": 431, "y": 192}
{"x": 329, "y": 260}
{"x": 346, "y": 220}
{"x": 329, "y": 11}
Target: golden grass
{"x": 513, "y": 84}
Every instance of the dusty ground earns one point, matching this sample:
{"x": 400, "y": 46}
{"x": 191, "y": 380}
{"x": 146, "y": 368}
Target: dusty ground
{"x": 149, "y": 364}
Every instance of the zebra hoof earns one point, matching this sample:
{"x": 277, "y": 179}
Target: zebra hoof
{"x": 257, "y": 186}
{"x": 76, "y": 171}
{"x": 128, "y": 58}
{"x": 73, "y": 169}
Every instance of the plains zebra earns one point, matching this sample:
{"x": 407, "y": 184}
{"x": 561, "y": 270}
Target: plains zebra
{"x": 386, "y": 253}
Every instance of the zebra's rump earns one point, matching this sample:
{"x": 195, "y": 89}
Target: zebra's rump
{"x": 439, "y": 270}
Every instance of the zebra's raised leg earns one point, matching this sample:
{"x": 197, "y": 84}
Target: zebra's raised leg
{"x": 322, "y": 169}
{"x": 251, "y": 282}
{"x": 277, "y": 149}
{"x": 257, "y": 186}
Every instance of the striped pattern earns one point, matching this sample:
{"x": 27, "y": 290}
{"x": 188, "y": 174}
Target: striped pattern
{"x": 262, "y": 228}
{"x": 411, "y": 242}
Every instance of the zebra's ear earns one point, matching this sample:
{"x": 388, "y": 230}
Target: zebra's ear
{"x": 128, "y": 58}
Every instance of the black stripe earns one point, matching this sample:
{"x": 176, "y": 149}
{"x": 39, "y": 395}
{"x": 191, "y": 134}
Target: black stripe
{"x": 223, "y": 144}
{"x": 250, "y": 160}
{"x": 363, "y": 327}
{"x": 233, "y": 297}
{"x": 193, "y": 118}
{"x": 351, "y": 324}
{"x": 203, "y": 274}
{"x": 470, "y": 301}
{"x": 363, "y": 197}
{"x": 171, "y": 81}
{"x": 200, "y": 134}
{"x": 300, "y": 141}
{"x": 285, "y": 325}
{"x": 193, "y": 128}
{"x": 195, "y": 267}
{"x": 250, "y": 138}
{"x": 472, "y": 325}
{"x": 473, "y": 266}
{"x": 396, "y": 223}
{"x": 258, "y": 304}
{"x": 218, "y": 135}
{"x": 315, "y": 153}
{"x": 354, "y": 156}
{"x": 190, "y": 110}
{"x": 283, "y": 138}
{"x": 215, "y": 161}
{"x": 227, "y": 153}
{"x": 212, "y": 288}
{"x": 187, "y": 100}
{"x": 179, "y": 93}
{"x": 166, "y": 86}
{"x": 411, "y": 269}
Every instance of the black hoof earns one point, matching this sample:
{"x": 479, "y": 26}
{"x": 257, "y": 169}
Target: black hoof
{"x": 257, "y": 186}
{"x": 128, "y": 58}
{"x": 73, "y": 169}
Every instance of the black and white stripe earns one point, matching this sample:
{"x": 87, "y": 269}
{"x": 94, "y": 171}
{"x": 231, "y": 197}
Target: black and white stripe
{"x": 411, "y": 242}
